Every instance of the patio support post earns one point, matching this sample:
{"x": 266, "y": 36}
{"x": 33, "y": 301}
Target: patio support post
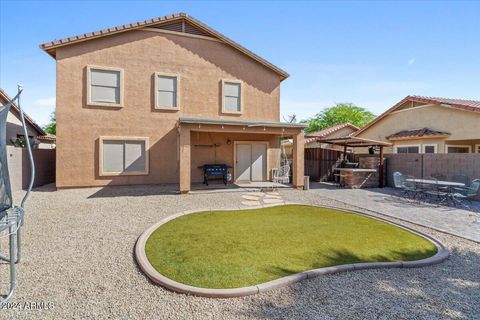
{"x": 345, "y": 153}
{"x": 184, "y": 159}
{"x": 380, "y": 169}
{"x": 298, "y": 160}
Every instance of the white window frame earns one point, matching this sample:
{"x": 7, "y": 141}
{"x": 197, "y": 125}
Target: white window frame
{"x": 89, "y": 87}
{"x": 458, "y": 146}
{"x": 224, "y": 81}
{"x": 177, "y": 93}
{"x": 477, "y": 148}
{"x": 123, "y": 173}
{"x": 395, "y": 147}
{"x": 434, "y": 145}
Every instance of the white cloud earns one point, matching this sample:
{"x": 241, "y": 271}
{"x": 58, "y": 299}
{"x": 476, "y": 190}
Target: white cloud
{"x": 411, "y": 61}
{"x": 45, "y": 102}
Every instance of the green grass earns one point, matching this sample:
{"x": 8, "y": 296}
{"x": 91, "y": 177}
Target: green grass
{"x": 229, "y": 249}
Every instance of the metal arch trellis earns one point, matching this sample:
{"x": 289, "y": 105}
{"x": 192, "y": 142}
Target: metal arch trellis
{"x": 11, "y": 216}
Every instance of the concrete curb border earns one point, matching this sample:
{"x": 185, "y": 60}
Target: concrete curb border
{"x": 142, "y": 260}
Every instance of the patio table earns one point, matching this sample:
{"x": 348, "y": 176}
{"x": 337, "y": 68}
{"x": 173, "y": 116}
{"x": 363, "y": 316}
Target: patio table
{"x": 448, "y": 185}
{"x": 437, "y": 182}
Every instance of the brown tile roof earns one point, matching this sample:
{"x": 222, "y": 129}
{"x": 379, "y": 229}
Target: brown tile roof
{"x": 470, "y": 105}
{"x": 311, "y": 137}
{"x": 47, "y": 138}
{"x": 330, "y": 130}
{"x": 460, "y": 104}
{"x": 417, "y": 133}
{"x": 4, "y": 96}
{"x": 50, "y": 47}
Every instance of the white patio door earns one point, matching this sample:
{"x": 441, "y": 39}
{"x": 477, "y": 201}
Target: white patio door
{"x": 259, "y": 161}
{"x": 243, "y": 170}
{"x": 251, "y": 162}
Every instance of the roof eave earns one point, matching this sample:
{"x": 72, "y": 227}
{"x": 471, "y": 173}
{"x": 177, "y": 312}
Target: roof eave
{"x": 51, "y": 49}
{"x": 188, "y": 120}
{"x": 429, "y": 136}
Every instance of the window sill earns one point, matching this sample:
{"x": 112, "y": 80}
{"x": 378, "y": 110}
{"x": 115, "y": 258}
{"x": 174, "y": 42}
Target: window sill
{"x": 167, "y": 108}
{"x": 105, "y": 104}
{"x": 116, "y": 174}
{"x": 232, "y": 112}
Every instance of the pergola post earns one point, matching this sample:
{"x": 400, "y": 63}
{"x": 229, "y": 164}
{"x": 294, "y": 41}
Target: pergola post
{"x": 345, "y": 153}
{"x": 184, "y": 158}
{"x": 380, "y": 169}
{"x": 298, "y": 160}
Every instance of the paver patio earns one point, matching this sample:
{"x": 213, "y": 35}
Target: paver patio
{"x": 78, "y": 254}
{"x": 387, "y": 201}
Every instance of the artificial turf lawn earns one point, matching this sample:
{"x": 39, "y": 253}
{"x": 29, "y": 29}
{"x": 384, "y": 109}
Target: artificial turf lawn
{"x": 229, "y": 249}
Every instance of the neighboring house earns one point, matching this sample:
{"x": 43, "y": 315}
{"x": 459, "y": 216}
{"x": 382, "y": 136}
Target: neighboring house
{"x": 15, "y": 128}
{"x": 150, "y": 102}
{"x": 337, "y": 131}
{"x": 428, "y": 125}
{"x": 311, "y": 139}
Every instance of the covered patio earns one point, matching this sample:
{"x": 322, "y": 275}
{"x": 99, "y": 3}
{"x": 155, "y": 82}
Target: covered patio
{"x": 369, "y": 167}
{"x": 250, "y": 150}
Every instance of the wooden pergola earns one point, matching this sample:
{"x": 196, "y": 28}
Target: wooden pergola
{"x": 356, "y": 142}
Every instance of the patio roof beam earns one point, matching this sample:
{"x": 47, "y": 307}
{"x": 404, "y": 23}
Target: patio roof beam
{"x": 354, "y": 142}
{"x": 270, "y": 124}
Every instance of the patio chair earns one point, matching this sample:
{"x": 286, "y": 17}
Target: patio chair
{"x": 11, "y": 216}
{"x": 462, "y": 179}
{"x": 435, "y": 191}
{"x": 406, "y": 187}
{"x": 460, "y": 195}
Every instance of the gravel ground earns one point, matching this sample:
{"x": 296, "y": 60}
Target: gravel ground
{"x": 78, "y": 255}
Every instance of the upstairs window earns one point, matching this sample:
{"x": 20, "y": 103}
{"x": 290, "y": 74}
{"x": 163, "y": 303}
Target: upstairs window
{"x": 105, "y": 86}
{"x": 166, "y": 91}
{"x": 232, "y": 97}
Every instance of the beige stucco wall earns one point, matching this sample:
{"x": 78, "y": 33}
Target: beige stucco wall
{"x": 463, "y": 126}
{"x": 200, "y": 64}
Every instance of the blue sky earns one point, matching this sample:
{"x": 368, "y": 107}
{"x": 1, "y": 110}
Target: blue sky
{"x": 369, "y": 53}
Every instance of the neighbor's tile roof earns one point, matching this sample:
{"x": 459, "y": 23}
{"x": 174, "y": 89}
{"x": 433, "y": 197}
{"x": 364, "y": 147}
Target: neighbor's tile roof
{"x": 417, "y": 133}
{"x": 47, "y": 138}
{"x": 311, "y": 137}
{"x": 332, "y": 129}
{"x": 471, "y": 105}
{"x": 49, "y": 47}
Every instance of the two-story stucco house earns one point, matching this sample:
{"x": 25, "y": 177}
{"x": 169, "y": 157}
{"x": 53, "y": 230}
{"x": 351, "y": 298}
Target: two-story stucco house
{"x": 150, "y": 102}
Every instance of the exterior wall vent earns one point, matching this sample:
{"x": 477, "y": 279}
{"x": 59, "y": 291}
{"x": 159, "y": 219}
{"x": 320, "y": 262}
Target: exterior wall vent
{"x": 183, "y": 27}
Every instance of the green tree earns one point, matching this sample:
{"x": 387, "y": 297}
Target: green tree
{"x": 51, "y": 128}
{"x": 339, "y": 114}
